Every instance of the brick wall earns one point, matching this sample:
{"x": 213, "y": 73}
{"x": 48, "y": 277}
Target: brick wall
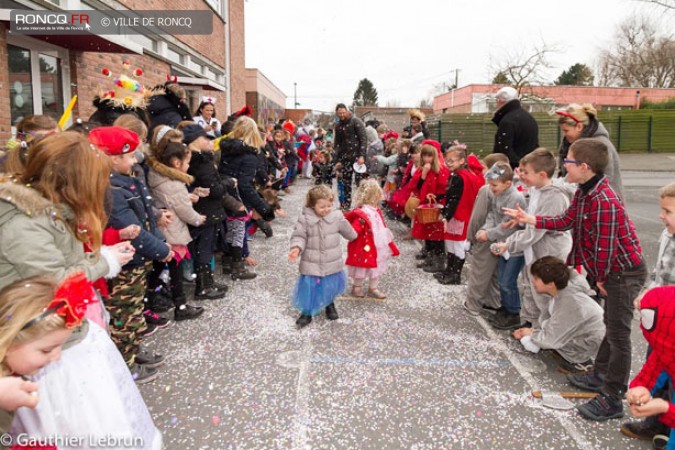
{"x": 212, "y": 46}
{"x": 237, "y": 56}
{"x": 5, "y": 118}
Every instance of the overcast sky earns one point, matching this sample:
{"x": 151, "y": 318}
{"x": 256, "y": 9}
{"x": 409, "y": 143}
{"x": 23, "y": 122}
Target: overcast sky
{"x": 407, "y": 47}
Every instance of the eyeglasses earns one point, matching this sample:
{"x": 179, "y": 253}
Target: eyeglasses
{"x": 572, "y": 161}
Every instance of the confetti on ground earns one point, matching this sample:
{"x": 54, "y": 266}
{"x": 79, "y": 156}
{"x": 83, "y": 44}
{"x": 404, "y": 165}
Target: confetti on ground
{"x": 413, "y": 371}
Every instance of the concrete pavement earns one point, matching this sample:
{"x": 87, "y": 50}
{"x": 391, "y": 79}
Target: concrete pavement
{"x": 410, "y": 372}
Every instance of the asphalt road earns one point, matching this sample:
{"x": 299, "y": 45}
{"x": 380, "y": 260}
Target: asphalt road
{"x": 410, "y": 372}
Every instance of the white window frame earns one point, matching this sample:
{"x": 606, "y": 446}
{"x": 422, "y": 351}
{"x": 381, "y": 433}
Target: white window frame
{"x": 35, "y": 47}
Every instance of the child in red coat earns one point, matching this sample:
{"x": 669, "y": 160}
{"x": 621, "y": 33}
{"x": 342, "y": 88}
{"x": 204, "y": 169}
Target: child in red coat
{"x": 368, "y": 255}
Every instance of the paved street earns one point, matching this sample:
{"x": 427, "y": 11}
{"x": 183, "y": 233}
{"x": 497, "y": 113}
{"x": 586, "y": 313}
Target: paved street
{"x": 410, "y": 372}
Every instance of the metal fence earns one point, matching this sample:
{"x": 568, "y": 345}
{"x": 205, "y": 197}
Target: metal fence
{"x": 631, "y": 131}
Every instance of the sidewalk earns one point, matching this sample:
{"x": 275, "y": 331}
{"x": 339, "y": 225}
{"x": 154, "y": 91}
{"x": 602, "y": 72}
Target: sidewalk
{"x": 647, "y": 162}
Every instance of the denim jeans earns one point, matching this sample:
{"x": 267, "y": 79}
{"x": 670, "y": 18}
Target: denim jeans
{"x": 509, "y": 269}
{"x": 614, "y": 355}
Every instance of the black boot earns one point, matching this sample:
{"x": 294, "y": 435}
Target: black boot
{"x": 158, "y": 299}
{"x": 239, "y": 271}
{"x": 331, "y": 312}
{"x": 227, "y": 264}
{"x": 437, "y": 263}
{"x": 303, "y": 321}
{"x": 265, "y": 227}
{"x": 454, "y": 275}
{"x": 422, "y": 255}
{"x": 204, "y": 288}
{"x": 450, "y": 260}
{"x": 187, "y": 312}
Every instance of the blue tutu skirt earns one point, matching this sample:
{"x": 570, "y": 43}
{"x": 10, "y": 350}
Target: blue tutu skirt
{"x": 312, "y": 294}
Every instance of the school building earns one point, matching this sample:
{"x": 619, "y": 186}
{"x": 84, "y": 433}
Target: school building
{"x": 40, "y": 74}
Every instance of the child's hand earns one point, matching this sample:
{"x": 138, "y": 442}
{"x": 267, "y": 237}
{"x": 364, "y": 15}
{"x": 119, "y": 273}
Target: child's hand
{"x": 520, "y": 216}
{"x": 169, "y": 257}
{"x": 601, "y": 288}
{"x": 651, "y": 408}
{"x": 166, "y": 219}
{"x": 293, "y": 254}
{"x": 482, "y": 236}
{"x": 123, "y": 252}
{"x": 194, "y": 198}
{"x": 201, "y": 219}
{"x": 510, "y": 224}
{"x": 360, "y": 160}
{"x": 281, "y": 213}
{"x": 129, "y": 233}
{"x": 498, "y": 249}
{"x": 638, "y": 396}
{"x": 638, "y": 300}
{"x": 202, "y": 191}
{"x": 522, "y": 332}
{"x": 16, "y": 392}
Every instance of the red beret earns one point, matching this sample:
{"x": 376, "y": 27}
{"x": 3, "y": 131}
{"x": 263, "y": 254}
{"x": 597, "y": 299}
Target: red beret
{"x": 114, "y": 140}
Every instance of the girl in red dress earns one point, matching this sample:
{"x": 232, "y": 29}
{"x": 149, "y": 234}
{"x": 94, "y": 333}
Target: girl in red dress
{"x": 368, "y": 255}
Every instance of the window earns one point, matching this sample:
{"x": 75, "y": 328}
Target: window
{"x": 51, "y": 82}
{"x": 174, "y": 56}
{"x": 38, "y": 79}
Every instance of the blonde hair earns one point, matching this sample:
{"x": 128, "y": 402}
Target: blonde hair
{"x": 391, "y": 147}
{"x": 21, "y": 302}
{"x": 668, "y": 190}
{"x": 428, "y": 150}
{"x": 369, "y": 192}
{"x": 66, "y": 168}
{"x": 493, "y": 158}
{"x": 246, "y": 130}
{"x": 316, "y": 193}
{"x": 133, "y": 123}
{"x": 583, "y": 113}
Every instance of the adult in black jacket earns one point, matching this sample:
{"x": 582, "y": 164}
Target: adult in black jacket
{"x": 349, "y": 139}
{"x": 517, "y": 131}
{"x": 167, "y": 106}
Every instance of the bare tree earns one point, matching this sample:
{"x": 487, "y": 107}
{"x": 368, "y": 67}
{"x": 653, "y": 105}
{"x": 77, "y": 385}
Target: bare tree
{"x": 668, "y": 4}
{"x": 524, "y": 67}
{"x": 639, "y": 57}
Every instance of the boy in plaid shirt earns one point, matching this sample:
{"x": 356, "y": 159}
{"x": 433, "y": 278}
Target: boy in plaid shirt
{"x": 606, "y": 244}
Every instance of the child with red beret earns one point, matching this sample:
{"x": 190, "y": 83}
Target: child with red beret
{"x": 131, "y": 205}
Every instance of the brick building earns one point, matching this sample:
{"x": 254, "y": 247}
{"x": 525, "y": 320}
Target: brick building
{"x": 266, "y": 100}
{"x": 480, "y": 98}
{"x": 40, "y": 74}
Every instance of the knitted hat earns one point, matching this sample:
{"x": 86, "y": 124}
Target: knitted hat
{"x": 192, "y": 132}
{"x": 114, "y": 140}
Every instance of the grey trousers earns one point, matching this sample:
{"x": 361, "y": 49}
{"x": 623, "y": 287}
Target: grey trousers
{"x": 482, "y": 286}
{"x": 531, "y": 302}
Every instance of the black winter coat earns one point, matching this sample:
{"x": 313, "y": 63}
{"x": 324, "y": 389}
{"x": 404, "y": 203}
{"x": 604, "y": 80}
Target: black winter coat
{"x": 132, "y": 205}
{"x": 238, "y": 160}
{"x": 167, "y": 109}
{"x": 349, "y": 139}
{"x": 517, "y": 132}
{"x": 203, "y": 169}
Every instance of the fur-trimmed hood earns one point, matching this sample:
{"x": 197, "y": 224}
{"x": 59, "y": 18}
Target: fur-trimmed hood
{"x": 168, "y": 172}
{"x": 16, "y": 199}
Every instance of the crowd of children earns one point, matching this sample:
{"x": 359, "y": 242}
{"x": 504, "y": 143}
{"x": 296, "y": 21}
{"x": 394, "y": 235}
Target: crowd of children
{"x": 129, "y": 223}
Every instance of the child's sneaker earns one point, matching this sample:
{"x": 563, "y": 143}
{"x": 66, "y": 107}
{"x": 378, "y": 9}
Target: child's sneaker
{"x": 149, "y": 359}
{"x": 149, "y": 330}
{"x": 568, "y": 368}
{"x": 588, "y": 381}
{"x": 143, "y": 374}
{"x": 152, "y": 318}
{"x": 602, "y": 407}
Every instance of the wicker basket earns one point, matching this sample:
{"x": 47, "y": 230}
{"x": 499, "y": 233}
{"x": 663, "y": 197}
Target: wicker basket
{"x": 429, "y": 212}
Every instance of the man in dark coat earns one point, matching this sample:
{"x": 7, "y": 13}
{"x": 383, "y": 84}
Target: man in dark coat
{"x": 517, "y": 131}
{"x": 350, "y": 147}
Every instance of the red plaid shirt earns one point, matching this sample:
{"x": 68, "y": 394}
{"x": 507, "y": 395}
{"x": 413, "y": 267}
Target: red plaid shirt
{"x": 604, "y": 237}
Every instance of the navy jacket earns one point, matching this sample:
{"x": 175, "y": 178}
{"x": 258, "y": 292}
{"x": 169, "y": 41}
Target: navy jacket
{"x": 132, "y": 205}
